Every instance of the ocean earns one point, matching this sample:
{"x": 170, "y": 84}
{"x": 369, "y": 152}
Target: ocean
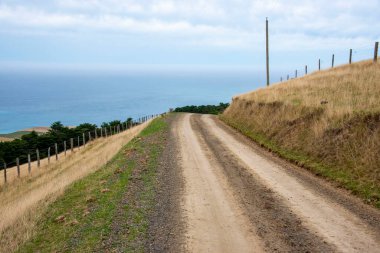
{"x": 38, "y": 98}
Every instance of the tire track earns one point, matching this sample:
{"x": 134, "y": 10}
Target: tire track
{"x": 215, "y": 222}
{"x": 327, "y": 219}
{"x": 278, "y": 227}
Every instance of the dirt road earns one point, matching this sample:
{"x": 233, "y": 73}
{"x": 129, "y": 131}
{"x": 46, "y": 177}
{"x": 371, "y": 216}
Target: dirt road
{"x": 239, "y": 198}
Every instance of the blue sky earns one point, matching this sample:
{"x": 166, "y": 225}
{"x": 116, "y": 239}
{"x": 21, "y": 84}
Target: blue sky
{"x": 185, "y": 34}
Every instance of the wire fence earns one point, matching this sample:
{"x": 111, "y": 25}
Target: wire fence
{"x": 54, "y": 151}
{"x": 352, "y": 55}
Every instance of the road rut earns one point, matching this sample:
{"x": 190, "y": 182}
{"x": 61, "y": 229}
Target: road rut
{"x": 215, "y": 221}
{"x": 237, "y": 199}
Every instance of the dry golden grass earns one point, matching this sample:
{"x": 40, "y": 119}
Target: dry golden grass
{"x": 4, "y": 139}
{"x": 22, "y": 200}
{"x": 331, "y": 117}
{"x": 36, "y": 129}
{"x": 347, "y": 89}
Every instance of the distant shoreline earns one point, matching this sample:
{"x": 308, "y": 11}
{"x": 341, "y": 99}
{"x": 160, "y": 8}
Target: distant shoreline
{"x": 40, "y": 129}
{"x": 19, "y": 133}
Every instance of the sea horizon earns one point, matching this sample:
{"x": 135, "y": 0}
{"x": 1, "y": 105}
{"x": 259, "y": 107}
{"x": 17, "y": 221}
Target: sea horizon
{"x": 35, "y": 98}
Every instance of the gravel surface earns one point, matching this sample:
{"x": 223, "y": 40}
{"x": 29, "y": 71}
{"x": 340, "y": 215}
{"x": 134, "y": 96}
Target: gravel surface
{"x": 166, "y": 228}
{"x": 217, "y": 191}
{"x": 278, "y": 227}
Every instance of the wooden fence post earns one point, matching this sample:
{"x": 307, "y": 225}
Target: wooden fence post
{"x": 38, "y": 158}
{"x": 72, "y": 145}
{"x": 350, "y": 61}
{"x": 267, "y": 49}
{"x": 49, "y": 155}
{"x": 64, "y": 147}
{"x": 18, "y": 166}
{"x": 110, "y": 130}
{"x": 96, "y": 133}
{"x": 56, "y": 151}
{"x": 29, "y": 165}
{"x": 89, "y": 136}
{"x": 84, "y": 140}
{"x": 101, "y": 132}
{"x": 5, "y": 172}
{"x": 332, "y": 61}
{"x": 376, "y": 51}
{"x": 306, "y": 70}
{"x": 319, "y": 64}
{"x": 105, "y": 132}
{"x": 287, "y": 77}
{"x": 296, "y": 74}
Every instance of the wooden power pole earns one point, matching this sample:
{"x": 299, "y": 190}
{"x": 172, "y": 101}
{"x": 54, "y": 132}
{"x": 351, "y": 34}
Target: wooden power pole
{"x": 267, "y": 46}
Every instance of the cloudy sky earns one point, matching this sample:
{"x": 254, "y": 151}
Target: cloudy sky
{"x": 188, "y": 33}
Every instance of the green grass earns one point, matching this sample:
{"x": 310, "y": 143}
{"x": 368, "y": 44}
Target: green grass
{"x": 89, "y": 212}
{"x": 15, "y": 135}
{"x": 367, "y": 191}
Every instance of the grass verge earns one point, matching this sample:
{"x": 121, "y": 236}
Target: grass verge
{"x": 369, "y": 192}
{"x": 108, "y": 210}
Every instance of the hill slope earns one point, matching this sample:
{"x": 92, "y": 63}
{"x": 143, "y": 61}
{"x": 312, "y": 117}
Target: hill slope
{"x": 24, "y": 200}
{"x": 328, "y": 121}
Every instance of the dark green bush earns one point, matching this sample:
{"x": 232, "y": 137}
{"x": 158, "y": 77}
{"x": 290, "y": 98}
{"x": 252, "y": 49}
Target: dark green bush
{"x": 204, "y": 109}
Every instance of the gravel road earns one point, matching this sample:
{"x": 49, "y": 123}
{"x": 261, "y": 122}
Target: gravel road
{"x": 236, "y": 197}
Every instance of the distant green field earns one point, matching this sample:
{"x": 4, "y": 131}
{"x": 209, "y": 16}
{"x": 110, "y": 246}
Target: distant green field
{"x": 15, "y": 135}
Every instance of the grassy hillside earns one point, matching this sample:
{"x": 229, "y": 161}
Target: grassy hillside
{"x": 106, "y": 211}
{"x": 328, "y": 121}
{"x": 4, "y": 139}
{"x": 12, "y": 136}
{"x": 19, "y": 134}
{"x": 24, "y": 201}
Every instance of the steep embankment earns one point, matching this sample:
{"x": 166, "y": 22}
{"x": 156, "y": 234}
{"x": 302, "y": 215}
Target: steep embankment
{"x": 328, "y": 121}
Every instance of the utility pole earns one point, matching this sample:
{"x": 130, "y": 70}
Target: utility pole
{"x": 350, "y": 60}
{"x": 267, "y": 45}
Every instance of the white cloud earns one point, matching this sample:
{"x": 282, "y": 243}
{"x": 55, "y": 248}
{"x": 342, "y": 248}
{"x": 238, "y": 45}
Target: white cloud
{"x": 37, "y": 18}
{"x": 234, "y": 24}
{"x": 196, "y": 8}
{"x": 41, "y": 21}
